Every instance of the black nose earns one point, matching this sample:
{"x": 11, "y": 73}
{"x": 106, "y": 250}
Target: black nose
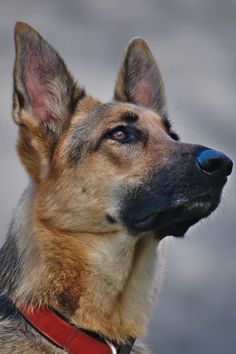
{"x": 214, "y": 162}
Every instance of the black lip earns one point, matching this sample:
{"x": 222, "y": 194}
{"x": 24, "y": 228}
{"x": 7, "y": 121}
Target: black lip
{"x": 173, "y": 221}
{"x": 163, "y": 224}
{"x": 158, "y": 219}
{"x": 145, "y": 221}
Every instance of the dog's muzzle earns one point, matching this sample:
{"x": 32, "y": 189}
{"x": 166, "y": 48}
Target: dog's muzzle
{"x": 188, "y": 189}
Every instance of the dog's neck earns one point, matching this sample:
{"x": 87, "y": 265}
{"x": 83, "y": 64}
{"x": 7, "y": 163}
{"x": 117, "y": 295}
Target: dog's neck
{"x": 107, "y": 287}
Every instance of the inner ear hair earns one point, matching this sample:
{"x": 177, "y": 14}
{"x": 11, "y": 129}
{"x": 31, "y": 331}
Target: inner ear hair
{"x": 139, "y": 80}
{"x": 43, "y": 86}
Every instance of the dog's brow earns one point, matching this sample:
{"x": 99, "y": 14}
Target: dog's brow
{"x": 129, "y": 117}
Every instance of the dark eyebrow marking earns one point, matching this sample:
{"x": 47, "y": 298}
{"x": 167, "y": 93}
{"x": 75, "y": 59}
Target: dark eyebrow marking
{"x": 129, "y": 117}
{"x": 169, "y": 129}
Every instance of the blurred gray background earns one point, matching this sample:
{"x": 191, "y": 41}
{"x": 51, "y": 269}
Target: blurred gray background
{"x": 194, "y": 42}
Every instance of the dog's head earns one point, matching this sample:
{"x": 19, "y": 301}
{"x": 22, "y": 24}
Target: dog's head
{"x": 108, "y": 167}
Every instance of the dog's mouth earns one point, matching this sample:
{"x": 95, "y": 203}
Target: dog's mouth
{"x": 164, "y": 228}
{"x": 176, "y": 220}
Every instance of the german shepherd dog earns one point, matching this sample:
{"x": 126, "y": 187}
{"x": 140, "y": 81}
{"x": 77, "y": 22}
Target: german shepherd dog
{"x": 107, "y": 183}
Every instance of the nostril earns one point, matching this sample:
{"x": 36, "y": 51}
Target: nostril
{"x": 212, "y": 161}
{"x": 209, "y": 165}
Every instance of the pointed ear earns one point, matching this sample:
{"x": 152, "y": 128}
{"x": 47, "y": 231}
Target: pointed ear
{"x": 43, "y": 87}
{"x": 44, "y": 99}
{"x": 139, "y": 80}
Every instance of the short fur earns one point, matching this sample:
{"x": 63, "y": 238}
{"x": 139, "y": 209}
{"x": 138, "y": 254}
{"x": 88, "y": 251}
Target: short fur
{"x": 71, "y": 244}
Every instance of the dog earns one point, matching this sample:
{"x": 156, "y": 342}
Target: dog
{"x": 108, "y": 181}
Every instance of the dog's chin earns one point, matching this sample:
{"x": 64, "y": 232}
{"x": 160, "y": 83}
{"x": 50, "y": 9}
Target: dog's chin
{"x": 174, "y": 221}
{"x": 160, "y": 230}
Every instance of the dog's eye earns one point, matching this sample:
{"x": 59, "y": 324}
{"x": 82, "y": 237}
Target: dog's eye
{"x": 123, "y": 134}
{"x": 119, "y": 135}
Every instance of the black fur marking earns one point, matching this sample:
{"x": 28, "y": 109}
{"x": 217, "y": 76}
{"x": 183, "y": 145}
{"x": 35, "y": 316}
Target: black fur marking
{"x": 65, "y": 301}
{"x": 129, "y": 117}
{"x": 8, "y": 310}
{"x": 20, "y": 97}
{"x": 174, "y": 135}
{"x": 110, "y": 219}
{"x": 169, "y": 129}
{"x": 75, "y": 99}
{"x": 9, "y": 265}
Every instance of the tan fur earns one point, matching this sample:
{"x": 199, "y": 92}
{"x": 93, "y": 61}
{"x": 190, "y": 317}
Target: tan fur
{"x": 96, "y": 274}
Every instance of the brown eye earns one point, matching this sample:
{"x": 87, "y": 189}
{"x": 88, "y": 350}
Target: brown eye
{"x": 123, "y": 134}
{"x": 119, "y": 135}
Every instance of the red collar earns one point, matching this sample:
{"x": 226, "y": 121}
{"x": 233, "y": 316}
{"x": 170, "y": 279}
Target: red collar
{"x": 63, "y": 334}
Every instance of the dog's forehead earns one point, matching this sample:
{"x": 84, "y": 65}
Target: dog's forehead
{"x": 94, "y": 114}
